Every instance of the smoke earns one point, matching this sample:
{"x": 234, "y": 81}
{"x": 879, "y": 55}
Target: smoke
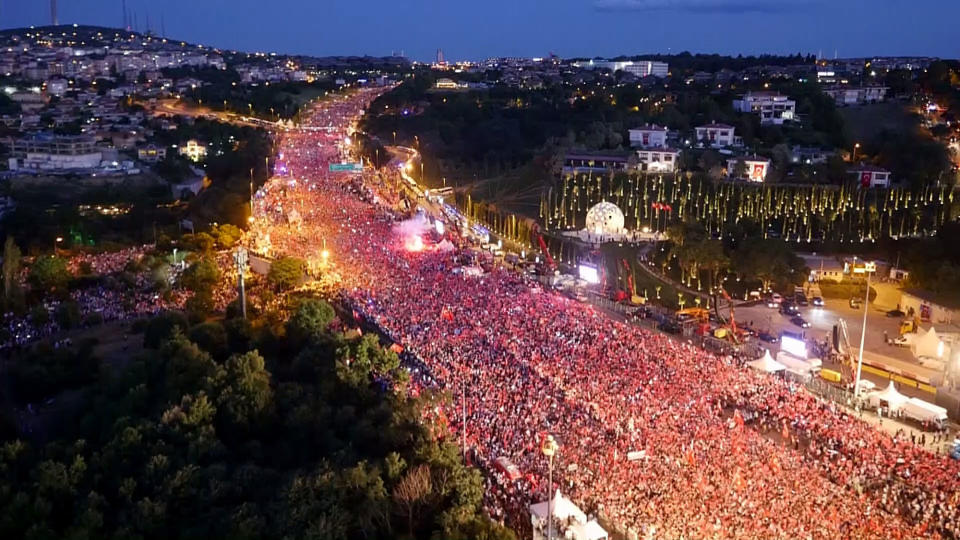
{"x": 415, "y": 226}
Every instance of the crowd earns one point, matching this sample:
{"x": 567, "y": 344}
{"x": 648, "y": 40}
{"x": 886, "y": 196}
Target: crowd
{"x": 656, "y": 436}
{"x": 117, "y": 287}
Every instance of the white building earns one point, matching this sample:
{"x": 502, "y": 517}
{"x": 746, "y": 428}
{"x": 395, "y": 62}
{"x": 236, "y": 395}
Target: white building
{"x": 52, "y": 153}
{"x": 870, "y": 176}
{"x": 569, "y": 522}
{"x": 640, "y": 68}
{"x": 194, "y": 151}
{"x": 856, "y": 95}
{"x": 660, "y": 159}
{"x": 648, "y": 136}
{"x": 772, "y": 107}
{"x": 716, "y": 135}
{"x": 755, "y": 168}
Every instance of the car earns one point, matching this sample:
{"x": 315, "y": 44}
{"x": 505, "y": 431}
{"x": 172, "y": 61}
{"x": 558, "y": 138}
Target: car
{"x": 789, "y": 308}
{"x": 772, "y": 305}
{"x": 856, "y": 303}
{"x": 895, "y": 313}
{"x": 776, "y": 298}
{"x": 769, "y": 338}
{"x": 799, "y": 321}
{"x": 901, "y": 341}
{"x": 817, "y": 301}
{"x": 801, "y": 300}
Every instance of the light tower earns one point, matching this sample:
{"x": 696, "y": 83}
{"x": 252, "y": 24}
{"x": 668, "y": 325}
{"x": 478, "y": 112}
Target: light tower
{"x": 53, "y": 13}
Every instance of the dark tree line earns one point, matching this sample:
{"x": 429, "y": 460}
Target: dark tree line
{"x": 240, "y": 430}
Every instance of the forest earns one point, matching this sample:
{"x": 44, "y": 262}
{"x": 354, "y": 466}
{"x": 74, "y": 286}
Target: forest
{"x": 272, "y": 428}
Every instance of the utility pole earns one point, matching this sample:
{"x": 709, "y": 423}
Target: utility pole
{"x": 240, "y": 257}
{"x": 863, "y": 337}
{"x": 251, "y": 192}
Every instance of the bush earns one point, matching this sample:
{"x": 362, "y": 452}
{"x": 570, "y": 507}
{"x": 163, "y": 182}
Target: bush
{"x": 211, "y": 337}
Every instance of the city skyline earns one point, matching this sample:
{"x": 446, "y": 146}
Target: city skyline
{"x": 570, "y": 28}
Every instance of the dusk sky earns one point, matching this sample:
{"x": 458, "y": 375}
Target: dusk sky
{"x": 568, "y": 28}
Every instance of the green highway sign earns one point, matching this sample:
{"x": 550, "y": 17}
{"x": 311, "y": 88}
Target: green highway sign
{"x": 346, "y": 167}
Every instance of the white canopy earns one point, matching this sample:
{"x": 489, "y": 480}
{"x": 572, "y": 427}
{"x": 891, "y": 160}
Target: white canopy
{"x": 767, "y": 364}
{"x": 562, "y": 508}
{"x": 927, "y": 345}
{"x": 890, "y": 395}
{"x": 590, "y": 530}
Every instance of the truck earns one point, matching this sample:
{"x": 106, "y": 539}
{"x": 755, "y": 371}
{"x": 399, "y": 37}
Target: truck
{"x": 926, "y": 414}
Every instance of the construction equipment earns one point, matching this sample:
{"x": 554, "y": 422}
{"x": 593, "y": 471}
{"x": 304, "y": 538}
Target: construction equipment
{"x": 909, "y": 326}
{"x": 729, "y": 328}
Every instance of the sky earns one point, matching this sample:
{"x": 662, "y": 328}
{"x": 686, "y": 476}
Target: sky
{"x": 478, "y": 29}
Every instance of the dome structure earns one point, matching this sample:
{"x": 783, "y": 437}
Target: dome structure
{"x": 605, "y": 218}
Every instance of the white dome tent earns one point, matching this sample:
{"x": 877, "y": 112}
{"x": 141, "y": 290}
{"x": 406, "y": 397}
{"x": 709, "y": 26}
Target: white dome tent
{"x": 605, "y": 218}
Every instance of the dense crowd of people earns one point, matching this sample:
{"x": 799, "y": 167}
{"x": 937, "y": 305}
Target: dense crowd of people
{"x": 656, "y": 436}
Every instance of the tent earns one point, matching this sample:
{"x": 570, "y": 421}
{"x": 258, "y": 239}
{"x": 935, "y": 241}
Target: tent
{"x": 928, "y": 345}
{"x": 889, "y": 395}
{"x": 590, "y": 530}
{"x": 767, "y": 364}
{"x": 561, "y": 507}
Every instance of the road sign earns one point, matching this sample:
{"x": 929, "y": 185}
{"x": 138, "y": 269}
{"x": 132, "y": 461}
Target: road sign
{"x": 346, "y": 167}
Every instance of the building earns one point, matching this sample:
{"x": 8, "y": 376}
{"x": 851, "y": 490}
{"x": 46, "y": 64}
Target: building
{"x": 870, "y": 176}
{"x": 810, "y": 155}
{"x": 578, "y": 162}
{"x": 648, "y": 136}
{"x": 639, "y": 69}
{"x": 929, "y": 307}
{"x": 755, "y": 168}
{"x": 772, "y": 107}
{"x": 194, "y": 151}
{"x": 569, "y": 522}
{"x": 857, "y": 95}
{"x": 717, "y": 135}
{"x": 661, "y": 159}
{"x": 823, "y": 268}
{"x": 448, "y": 84}
{"x": 54, "y": 153}
{"x": 151, "y": 153}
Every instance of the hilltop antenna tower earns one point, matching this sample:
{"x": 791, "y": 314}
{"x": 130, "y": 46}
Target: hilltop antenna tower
{"x": 440, "y": 59}
{"x": 53, "y": 13}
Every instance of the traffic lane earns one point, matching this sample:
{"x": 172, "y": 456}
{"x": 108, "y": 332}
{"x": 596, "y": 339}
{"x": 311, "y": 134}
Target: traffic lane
{"x": 822, "y": 321}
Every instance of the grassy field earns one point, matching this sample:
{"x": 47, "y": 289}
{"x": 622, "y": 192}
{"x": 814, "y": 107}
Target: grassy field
{"x": 867, "y": 121}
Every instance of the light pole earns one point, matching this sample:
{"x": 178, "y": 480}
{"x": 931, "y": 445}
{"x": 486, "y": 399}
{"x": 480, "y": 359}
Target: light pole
{"x": 863, "y": 337}
{"x": 855, "y": 147}
{"x": 56, "y": 242}
{"x": 549, "y": 448}
{"x": 240, "y": 257}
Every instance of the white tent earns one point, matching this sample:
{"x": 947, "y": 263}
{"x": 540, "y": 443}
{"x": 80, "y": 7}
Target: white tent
{"x": 590, "y": 530}
{"x": 928, "y": 345}
{"x": 767, "y": 364}
{"x": 890, "y": 395}
{"x": 561, "y": 507}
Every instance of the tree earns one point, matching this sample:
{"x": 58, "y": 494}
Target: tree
{"x": 244, "y": 391}
{"x": 161, "y": 327}
{"x": 201, "y": 275}
{"x": 410, "y": 493}
{"x": 49, "y": 274}
{"x": 11, "y": 266}
{"x": 211, "y": 337}
{"x": 285, "y": 273}
{"x": 311, "y": 318}
{"x": 226, "y": 235}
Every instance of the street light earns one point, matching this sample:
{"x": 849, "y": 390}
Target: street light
{"x": 863, "y": 337}
{"x": 549, "y": 447}
{"x": 56, "y": 241}
{"x": 855, "y": 148}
